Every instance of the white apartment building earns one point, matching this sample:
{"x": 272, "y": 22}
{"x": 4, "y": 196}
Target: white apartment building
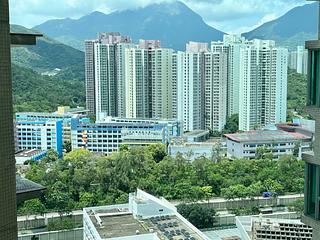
{"x": 215, "y": 90}
{"x": 201, "y": 96}
{"x": 231, "y": 45}
{"x": 298, "y": 60}
{"x": 161, "y": 83}
{"x": 136, "y": 83}
{"x": 263, "y": 85}
{"x": 189, "y": 89}
{"x": 257, "y": 80}
{"x": 104, "y": 72}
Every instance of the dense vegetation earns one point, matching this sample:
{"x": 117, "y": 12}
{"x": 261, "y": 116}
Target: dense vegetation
{"x": 85, "y": 179}
{"x": 199, "y": 215}
{"x": 297, "y": 92}
{"x": 47, "y": 55}
{"x": 232, "y": 126}
{"x": 34, "y": 92}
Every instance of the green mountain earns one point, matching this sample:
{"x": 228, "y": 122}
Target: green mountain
{"x": 33, "y": 89}
{"x": 35, "y": 92}
{"x": 48, "y": 56}
{"x": 171, "y": 22}
{"x": 291, "y": 29}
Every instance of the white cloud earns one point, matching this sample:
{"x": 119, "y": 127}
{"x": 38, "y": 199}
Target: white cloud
{"x": 241, "y": 15}
{"x": 226, "y": 15}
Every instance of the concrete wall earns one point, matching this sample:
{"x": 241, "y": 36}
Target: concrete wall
{"x": 8, "y": 219}
{"x": 73, "y": 234}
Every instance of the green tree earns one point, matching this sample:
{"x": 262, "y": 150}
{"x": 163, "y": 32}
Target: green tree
{"x": 216, "y": 154}
{"x": 235, "y": 191}
{"x": 87, "y": 199}
{"x": 199, "y": 215}
{"x": 158, "y": 151}
{"x": 263, "y": 153}
{"x": 33, "y": 206}
{"x": 123, "y": 147}
{"x": 52, "y": 156}
{"x": 60, "y": 198}
{"x": 67, "y": 146}
{"x": 271, "y": 185}
{"x": 207, "y": 193}
{"x": 232, "y": 124}
{"x": 60, "y": 224}
{"x": 254, "y": 189}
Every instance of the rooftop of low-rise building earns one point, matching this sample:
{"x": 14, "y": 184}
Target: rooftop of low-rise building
{"x": 29, "y": 152}
{"x": 26, "y": 189}
{"x": 62, "y": 111}
{"x": 144, "y": 217}
{"x": 266, "y": 135}
{"x": 285, "y": 224}
{"x": 224, "y": 234}
{"x": 196, "y": 133}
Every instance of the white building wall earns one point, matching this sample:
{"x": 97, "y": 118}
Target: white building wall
{"x": 191, "y": 91}
{"x": 215, "y": 99}
{"x": 281, "y": 86}
{"x": 136, "y": 86}
{"x": 121, "y": 81}
{"x": 162, "y": 84}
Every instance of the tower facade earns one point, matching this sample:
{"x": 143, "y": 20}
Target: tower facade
{"x": 161, "y": 83}
{"x": 257, "y": 80}
{"x": 312, "y": 159}
{"x": 8, "y": 215}
{"x": 200, "y": 101}
{"x": 104, "y": 73}
{"x": 136, "y": 83}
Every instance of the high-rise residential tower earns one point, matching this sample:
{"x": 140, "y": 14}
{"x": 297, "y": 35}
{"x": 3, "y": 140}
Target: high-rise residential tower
{"x": 312, "y": 160}
{"x": 231, "y": 45}
{"x": 161, "y": 83}
{"x": 189, "y": 84}
{"x": 215, "y": 90}
{"x": 201, "y": 87}
{"x": 136, "y": 83}
{"x": 104, "y": 61}
{"x": 298, "y": 60}
{"x": 128, "y": 80}
{"x": 263, "y": 85}
{"x": 257, "y": 80}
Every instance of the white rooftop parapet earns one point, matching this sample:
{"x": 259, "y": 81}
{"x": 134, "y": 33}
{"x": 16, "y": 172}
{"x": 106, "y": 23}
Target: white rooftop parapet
{"x": 144, "y": 205}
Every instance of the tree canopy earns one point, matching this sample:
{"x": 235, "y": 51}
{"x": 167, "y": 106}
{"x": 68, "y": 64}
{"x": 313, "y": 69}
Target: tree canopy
{"x": 84, "y": 179}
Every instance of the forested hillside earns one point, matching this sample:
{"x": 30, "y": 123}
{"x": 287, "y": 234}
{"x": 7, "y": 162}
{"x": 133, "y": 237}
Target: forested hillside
{"x": 34, "y": 92}
{"x": 297, "y": 91}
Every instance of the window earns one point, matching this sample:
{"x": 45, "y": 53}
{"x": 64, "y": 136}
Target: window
{"x": 314, "y": 78}
{"x": 312, "y": 198}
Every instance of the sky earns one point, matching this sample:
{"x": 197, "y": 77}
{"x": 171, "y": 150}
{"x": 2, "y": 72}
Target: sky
{"x": 231, "y": 16}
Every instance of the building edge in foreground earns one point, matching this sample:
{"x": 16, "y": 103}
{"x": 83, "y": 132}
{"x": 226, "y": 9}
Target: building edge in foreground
{"x": 312, "y": 159}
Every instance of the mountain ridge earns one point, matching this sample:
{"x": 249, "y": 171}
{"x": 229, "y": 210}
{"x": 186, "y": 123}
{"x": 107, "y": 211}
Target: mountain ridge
{"x": 291, "y": 29}
{"x": 179, "y": 24}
